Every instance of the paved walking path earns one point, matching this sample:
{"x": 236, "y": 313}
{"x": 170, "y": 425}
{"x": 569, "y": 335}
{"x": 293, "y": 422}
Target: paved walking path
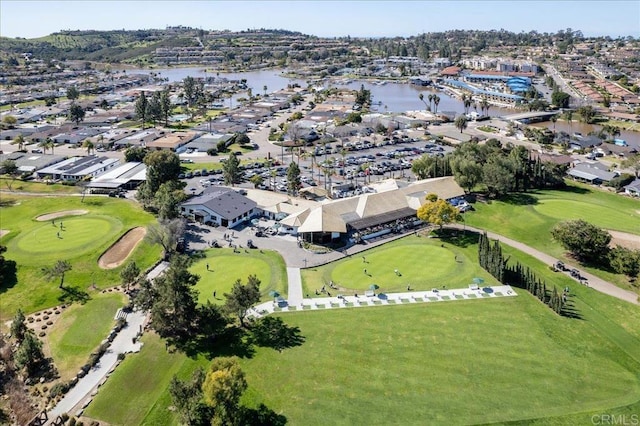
{"x": 594, "y": 282}
{"x": 382, "y": 299}
{"x": 82, "y": 393}
{"x": 295, "y": 286}
{"x": 79, "y": 396}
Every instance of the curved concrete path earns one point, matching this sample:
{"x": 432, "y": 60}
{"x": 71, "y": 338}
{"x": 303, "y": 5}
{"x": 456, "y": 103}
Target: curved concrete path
{"x": 594, "y": 282}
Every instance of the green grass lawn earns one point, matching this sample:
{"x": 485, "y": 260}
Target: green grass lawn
{"x": 530, "y": 217}
{"x": 18, "y": 185}
{"x": 139, "y": 384}
{"x": 79, "y": 331}
{"x": 466, "y": 362}
{"x": 423, "y": 263}
{"x": 225, "y": 267}
{"x": 34, "y": 244}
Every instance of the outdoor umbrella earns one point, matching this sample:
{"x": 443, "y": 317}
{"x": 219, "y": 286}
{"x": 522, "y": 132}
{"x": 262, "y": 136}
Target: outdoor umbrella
{"x": 274, "y": 293}
{"x": 478, "y": 280}
{"x": 374, "y": 287}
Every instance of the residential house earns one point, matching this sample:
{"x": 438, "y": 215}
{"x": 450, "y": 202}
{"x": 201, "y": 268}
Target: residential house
{"x": 633, "y": 188}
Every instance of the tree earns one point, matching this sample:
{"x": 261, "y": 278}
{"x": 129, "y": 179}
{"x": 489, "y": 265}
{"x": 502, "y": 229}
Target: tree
{"x": 223, "y": 386}
{"x": 130, "y": 274}
{"x": 587, "y": 113}
{"x": 189, "y": 86}
{"x": 89, "y": 145}
{"x": 633, "y": 163}
{"x": 585, "y": 241}
{"x": 174, "y": 311}
{"x": 242, "y": 297}
{"x": 168, "y": 198}
{"x": 58, "y": 270}
{"x": 9, "y": 120}
{"x": 438, "y": 212}
{"x": 154, "y": 108}
{"x": 19, "y": 140}
{"x": 166, "y": 233}
{"x": 10, "y": 168}
{"x": 293, "y": 178}
{"x": 498, "y": 176}
{"x": 231, "y": 170}
{"x": 187, "y": 397}
{"x": 256, "y": 180}
{"x": 560, "y": 99}
{"x": 18, "y": 327}
{"x": 436, "y": 102}
{"x": 135, "y": 153}
{"x": 625, "y": 261}
{"x": 162, "y": 166}
{"x": 73, "y": 93}
{"x": 141, "y": 108}
{"x": 466, "y": 172}
{"x": 461, "y": 123}
{"x": 165, "y": 106}
{"x": 29, "y": 354}
{"x": 76, "y": 113}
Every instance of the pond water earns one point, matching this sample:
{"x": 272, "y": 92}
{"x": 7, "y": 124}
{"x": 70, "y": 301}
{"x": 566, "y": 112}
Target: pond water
{"x": 387, "y": 97}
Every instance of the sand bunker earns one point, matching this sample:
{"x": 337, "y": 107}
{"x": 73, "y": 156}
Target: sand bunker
{"x": 3, "y": 232}
{"x": 121, "y": 249}
{"x": 623, "y": 239}
{"x": 64, "y": 213}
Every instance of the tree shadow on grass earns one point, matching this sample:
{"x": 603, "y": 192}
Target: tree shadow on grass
{"x": 458, "y": 237}
{"x": 519, "y": 199}
{"x": 273, "y": 332}
{"x": 232, "y": 341}
{"x": 73, "y": 294}
{"x": 8, "y": 275}
{"x": 260, "y": 416}
{"x": 575, "y": 189}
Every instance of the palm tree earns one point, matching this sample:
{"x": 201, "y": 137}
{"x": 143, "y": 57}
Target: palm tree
{"x": 569, "y": 116}
{"x": 430, "y": 97}
{"x": 19, "y": 140}
{"x": 461, "y": 122}
{"x": 467, "y": 104}
{"x": 484, "y": 106}
{"x": 554, "y": 118}
{"x": 436, "y": 101}
{"x": 89, "y": 145}
{"x": 46, "y": 144}
{"x": 421, "y": 97}
{"x": 265, "y": 89}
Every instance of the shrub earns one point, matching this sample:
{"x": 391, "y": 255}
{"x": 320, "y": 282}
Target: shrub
{"x": 121, "y": 356}
{"x": 58, "y": 389}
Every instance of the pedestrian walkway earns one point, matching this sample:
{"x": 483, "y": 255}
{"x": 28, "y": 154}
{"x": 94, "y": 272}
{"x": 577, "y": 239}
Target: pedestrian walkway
{"x": 295, "y": 286}
{"x": 125, "y": 342}
{"x": 383, "y": 299}
{"x": 80, "y": 395}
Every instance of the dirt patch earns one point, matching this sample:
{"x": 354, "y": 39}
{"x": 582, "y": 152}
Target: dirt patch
{"x": 3, "y": 232}
{"x": 121, "y": 249}
{"x": 623, "y": 239}
{"x": 52, "y": 216}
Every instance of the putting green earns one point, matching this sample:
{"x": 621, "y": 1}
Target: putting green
{"x": 77, "y": 236}
{"x": 223, "y": 272}
{"x": 414, "y": 263}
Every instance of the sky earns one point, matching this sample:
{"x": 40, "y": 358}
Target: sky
{"x": 382, "y": 18}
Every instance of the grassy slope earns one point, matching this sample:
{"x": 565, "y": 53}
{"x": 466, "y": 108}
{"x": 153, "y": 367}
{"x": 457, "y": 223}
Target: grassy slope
{"x": 225, "y": 267}
{"x": 495, "y": 360}
{"x": 33, "y": 292}
{"x": 79, "y": 331}
{"x": 529, "y": 218}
